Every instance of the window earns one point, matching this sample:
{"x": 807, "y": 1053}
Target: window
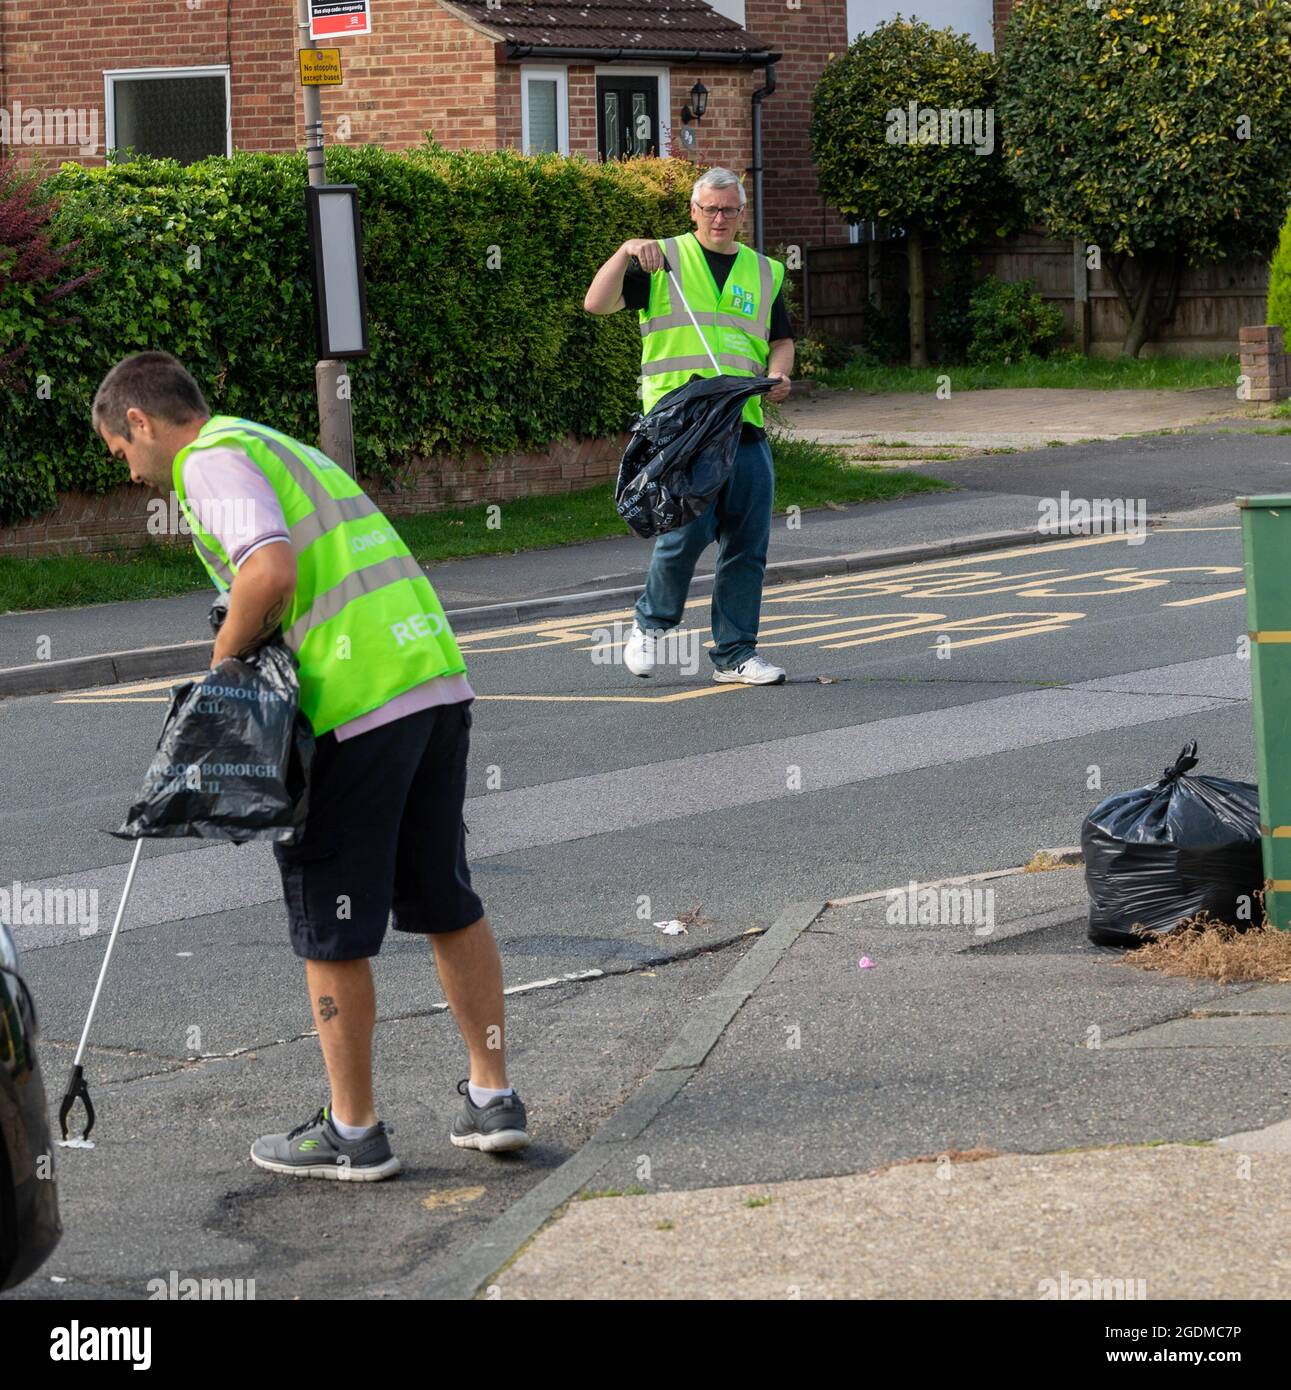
{"x": 175, "y": 113}
{"x": 544, "y": 110}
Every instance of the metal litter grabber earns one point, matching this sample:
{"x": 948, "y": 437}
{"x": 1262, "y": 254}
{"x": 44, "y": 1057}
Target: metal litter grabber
{"x": 76, "y": 1087}
{"x": 673, "y": 280}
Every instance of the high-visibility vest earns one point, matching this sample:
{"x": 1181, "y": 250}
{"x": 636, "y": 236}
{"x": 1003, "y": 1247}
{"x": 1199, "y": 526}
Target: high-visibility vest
{"x": 364, "y": 622}
{"x": 735, "y": 321}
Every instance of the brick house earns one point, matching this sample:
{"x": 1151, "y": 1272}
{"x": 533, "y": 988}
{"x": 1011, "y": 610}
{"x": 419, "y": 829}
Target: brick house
{"x": 592, "y": 77}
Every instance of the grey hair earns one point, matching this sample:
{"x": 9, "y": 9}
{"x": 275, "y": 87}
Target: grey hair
{"x": 718, "y": 178}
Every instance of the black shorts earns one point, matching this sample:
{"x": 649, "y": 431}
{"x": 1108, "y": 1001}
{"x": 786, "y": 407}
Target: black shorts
{"x": 384, "y": 833}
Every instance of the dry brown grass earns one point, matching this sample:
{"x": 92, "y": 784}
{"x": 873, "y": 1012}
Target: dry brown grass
{"x": 1041, "y": 862}
{"x": 1204, "y": 948}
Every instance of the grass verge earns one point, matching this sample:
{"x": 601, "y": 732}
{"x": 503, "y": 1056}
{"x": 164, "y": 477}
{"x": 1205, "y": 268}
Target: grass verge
{"x": 807, "y": 475}
{"x": 1068, "y": 371}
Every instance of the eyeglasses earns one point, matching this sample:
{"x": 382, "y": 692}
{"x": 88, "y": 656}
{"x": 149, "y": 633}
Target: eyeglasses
{"x": 710, "y": 213}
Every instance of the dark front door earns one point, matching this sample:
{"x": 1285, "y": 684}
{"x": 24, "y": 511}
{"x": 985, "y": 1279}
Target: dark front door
{"x": 627, "y": 116}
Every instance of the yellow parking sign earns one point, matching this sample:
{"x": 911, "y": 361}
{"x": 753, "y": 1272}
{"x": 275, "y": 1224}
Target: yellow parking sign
{"x": 320, "y": 67}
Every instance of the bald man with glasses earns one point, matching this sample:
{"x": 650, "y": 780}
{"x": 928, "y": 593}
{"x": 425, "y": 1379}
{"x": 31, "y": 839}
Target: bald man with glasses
{"x": 736, "y": 295}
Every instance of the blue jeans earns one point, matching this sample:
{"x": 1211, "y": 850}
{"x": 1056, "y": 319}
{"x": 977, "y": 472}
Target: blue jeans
{"x": 740, "y": 521}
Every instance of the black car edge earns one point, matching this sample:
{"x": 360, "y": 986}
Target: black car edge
{"x": 29, "y": 1223}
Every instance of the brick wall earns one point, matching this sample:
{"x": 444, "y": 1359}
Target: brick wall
{"x": 1263, "y": 362}
{"x": 84, "y": 524}
{"x": 422, "y": 69}
{"x": 808, "y": 37}
{"x": 1003, "y": 9}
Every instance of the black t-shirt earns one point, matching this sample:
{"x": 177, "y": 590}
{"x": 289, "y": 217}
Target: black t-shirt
{"x": 636, "y": 295}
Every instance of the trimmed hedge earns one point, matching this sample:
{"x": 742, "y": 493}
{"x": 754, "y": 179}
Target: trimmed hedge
{"x": 1279, "y": 308}
{"x": 476, "y": 268}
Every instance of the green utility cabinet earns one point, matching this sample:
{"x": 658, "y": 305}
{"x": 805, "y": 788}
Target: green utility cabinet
{"x": 1266, "y": 549}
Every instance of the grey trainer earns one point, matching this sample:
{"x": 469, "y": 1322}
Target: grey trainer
{"x": 316, "y": 1150}
{"x": 496, "y": 1127}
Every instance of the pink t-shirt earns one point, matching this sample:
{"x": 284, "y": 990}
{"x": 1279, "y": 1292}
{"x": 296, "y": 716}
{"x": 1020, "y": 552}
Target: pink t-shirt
{"x": 236, "y": 503}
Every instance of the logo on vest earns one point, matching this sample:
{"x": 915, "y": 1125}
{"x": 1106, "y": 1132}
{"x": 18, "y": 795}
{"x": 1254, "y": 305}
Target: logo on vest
{"x": 372, "y": 538}
{"x": 417, "y": 626}
{"x": 744, "y": 301}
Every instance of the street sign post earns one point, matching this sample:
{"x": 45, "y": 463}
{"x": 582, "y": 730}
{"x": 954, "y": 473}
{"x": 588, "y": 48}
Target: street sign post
{"x": 334, "y": 19}
{"x": 331, "y": 378}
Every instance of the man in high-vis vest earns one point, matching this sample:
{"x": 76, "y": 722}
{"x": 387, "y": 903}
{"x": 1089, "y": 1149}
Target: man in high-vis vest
{"x": 735, "y": 296}
{"x": 298, "y": 547}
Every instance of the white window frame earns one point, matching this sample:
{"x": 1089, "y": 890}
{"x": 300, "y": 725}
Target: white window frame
{"x": 545, "y": 74}
{"x": 664, "y": 89}
{"x": 111, "y": 75}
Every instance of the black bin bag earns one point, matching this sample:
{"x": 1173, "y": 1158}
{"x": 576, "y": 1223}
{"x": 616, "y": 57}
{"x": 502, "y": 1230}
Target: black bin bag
{"x": 681, "y": 454}
{"x": 1166, "y": 852}
{"x": 233, "y": 759}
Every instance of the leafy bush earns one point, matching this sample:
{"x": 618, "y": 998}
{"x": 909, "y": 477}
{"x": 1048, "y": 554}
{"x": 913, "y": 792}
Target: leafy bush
{"x": 476, "y": 267}
{"x": 1011, "y": 322}
{"x": 1159, "y": 133}
{"x": 820, "y": 352}
{"x": 33, "y": 317}
{"x": 1279, "y": 310}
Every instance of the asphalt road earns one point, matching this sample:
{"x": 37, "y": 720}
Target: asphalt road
{"x": 944, "y": 719}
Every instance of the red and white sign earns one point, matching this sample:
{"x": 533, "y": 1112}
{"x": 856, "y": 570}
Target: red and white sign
{"x": 338, "y": 19}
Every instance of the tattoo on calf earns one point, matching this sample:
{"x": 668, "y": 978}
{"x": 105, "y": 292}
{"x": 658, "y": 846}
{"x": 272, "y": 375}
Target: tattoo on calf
{"x": 327, "y": 1007}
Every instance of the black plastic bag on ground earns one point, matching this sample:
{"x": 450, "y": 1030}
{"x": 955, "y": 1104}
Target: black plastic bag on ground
{"x": 233, "y": 759}
{"x": 1165, "y": 852}
{"x": 681, "y": 454}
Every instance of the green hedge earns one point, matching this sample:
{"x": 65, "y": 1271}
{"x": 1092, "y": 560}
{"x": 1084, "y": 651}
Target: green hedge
{"x": 210, "y": 262}
{"x": 1279, "y": 310}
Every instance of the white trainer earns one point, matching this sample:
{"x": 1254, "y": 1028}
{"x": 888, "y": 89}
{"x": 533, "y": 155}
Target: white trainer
{"x": 640, "y": 655}
{"x": 751, "y": 671}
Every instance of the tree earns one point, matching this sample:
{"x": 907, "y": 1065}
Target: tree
{"x": 1158, "y": 133}
{"x": 903, "y": 132}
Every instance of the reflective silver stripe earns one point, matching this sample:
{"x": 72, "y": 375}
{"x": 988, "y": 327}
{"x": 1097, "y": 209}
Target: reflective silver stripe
{"x": 322, "y": 519}
{"x": 661, "y": 322}
{"x": 329, "y": 511}
{"x": 213, "y": 560}
{"x": 355, "y": 584}
{"x": 700, "y": 362}
{"x": 766, "y": 284}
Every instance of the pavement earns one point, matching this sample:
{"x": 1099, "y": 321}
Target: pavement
{"x": 1020, "y": 419}
{"x": 770, "y": 1210}
{"x": 945, "y": 717}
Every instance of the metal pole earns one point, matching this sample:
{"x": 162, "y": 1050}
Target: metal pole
{"x": 107, "y": 955}
{"x": 331, "y": 378}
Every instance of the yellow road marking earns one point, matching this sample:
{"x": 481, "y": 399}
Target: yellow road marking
{"x": 1205, "y": 598}
{"x": 621, "y": 699}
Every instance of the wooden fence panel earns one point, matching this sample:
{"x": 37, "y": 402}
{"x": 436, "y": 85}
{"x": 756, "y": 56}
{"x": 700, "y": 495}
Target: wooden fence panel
{"x": 1214, "y": 301}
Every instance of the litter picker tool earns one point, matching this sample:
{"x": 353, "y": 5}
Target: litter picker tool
{"x": 76, "y": 1087}
{"x": 677, "y": 288}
